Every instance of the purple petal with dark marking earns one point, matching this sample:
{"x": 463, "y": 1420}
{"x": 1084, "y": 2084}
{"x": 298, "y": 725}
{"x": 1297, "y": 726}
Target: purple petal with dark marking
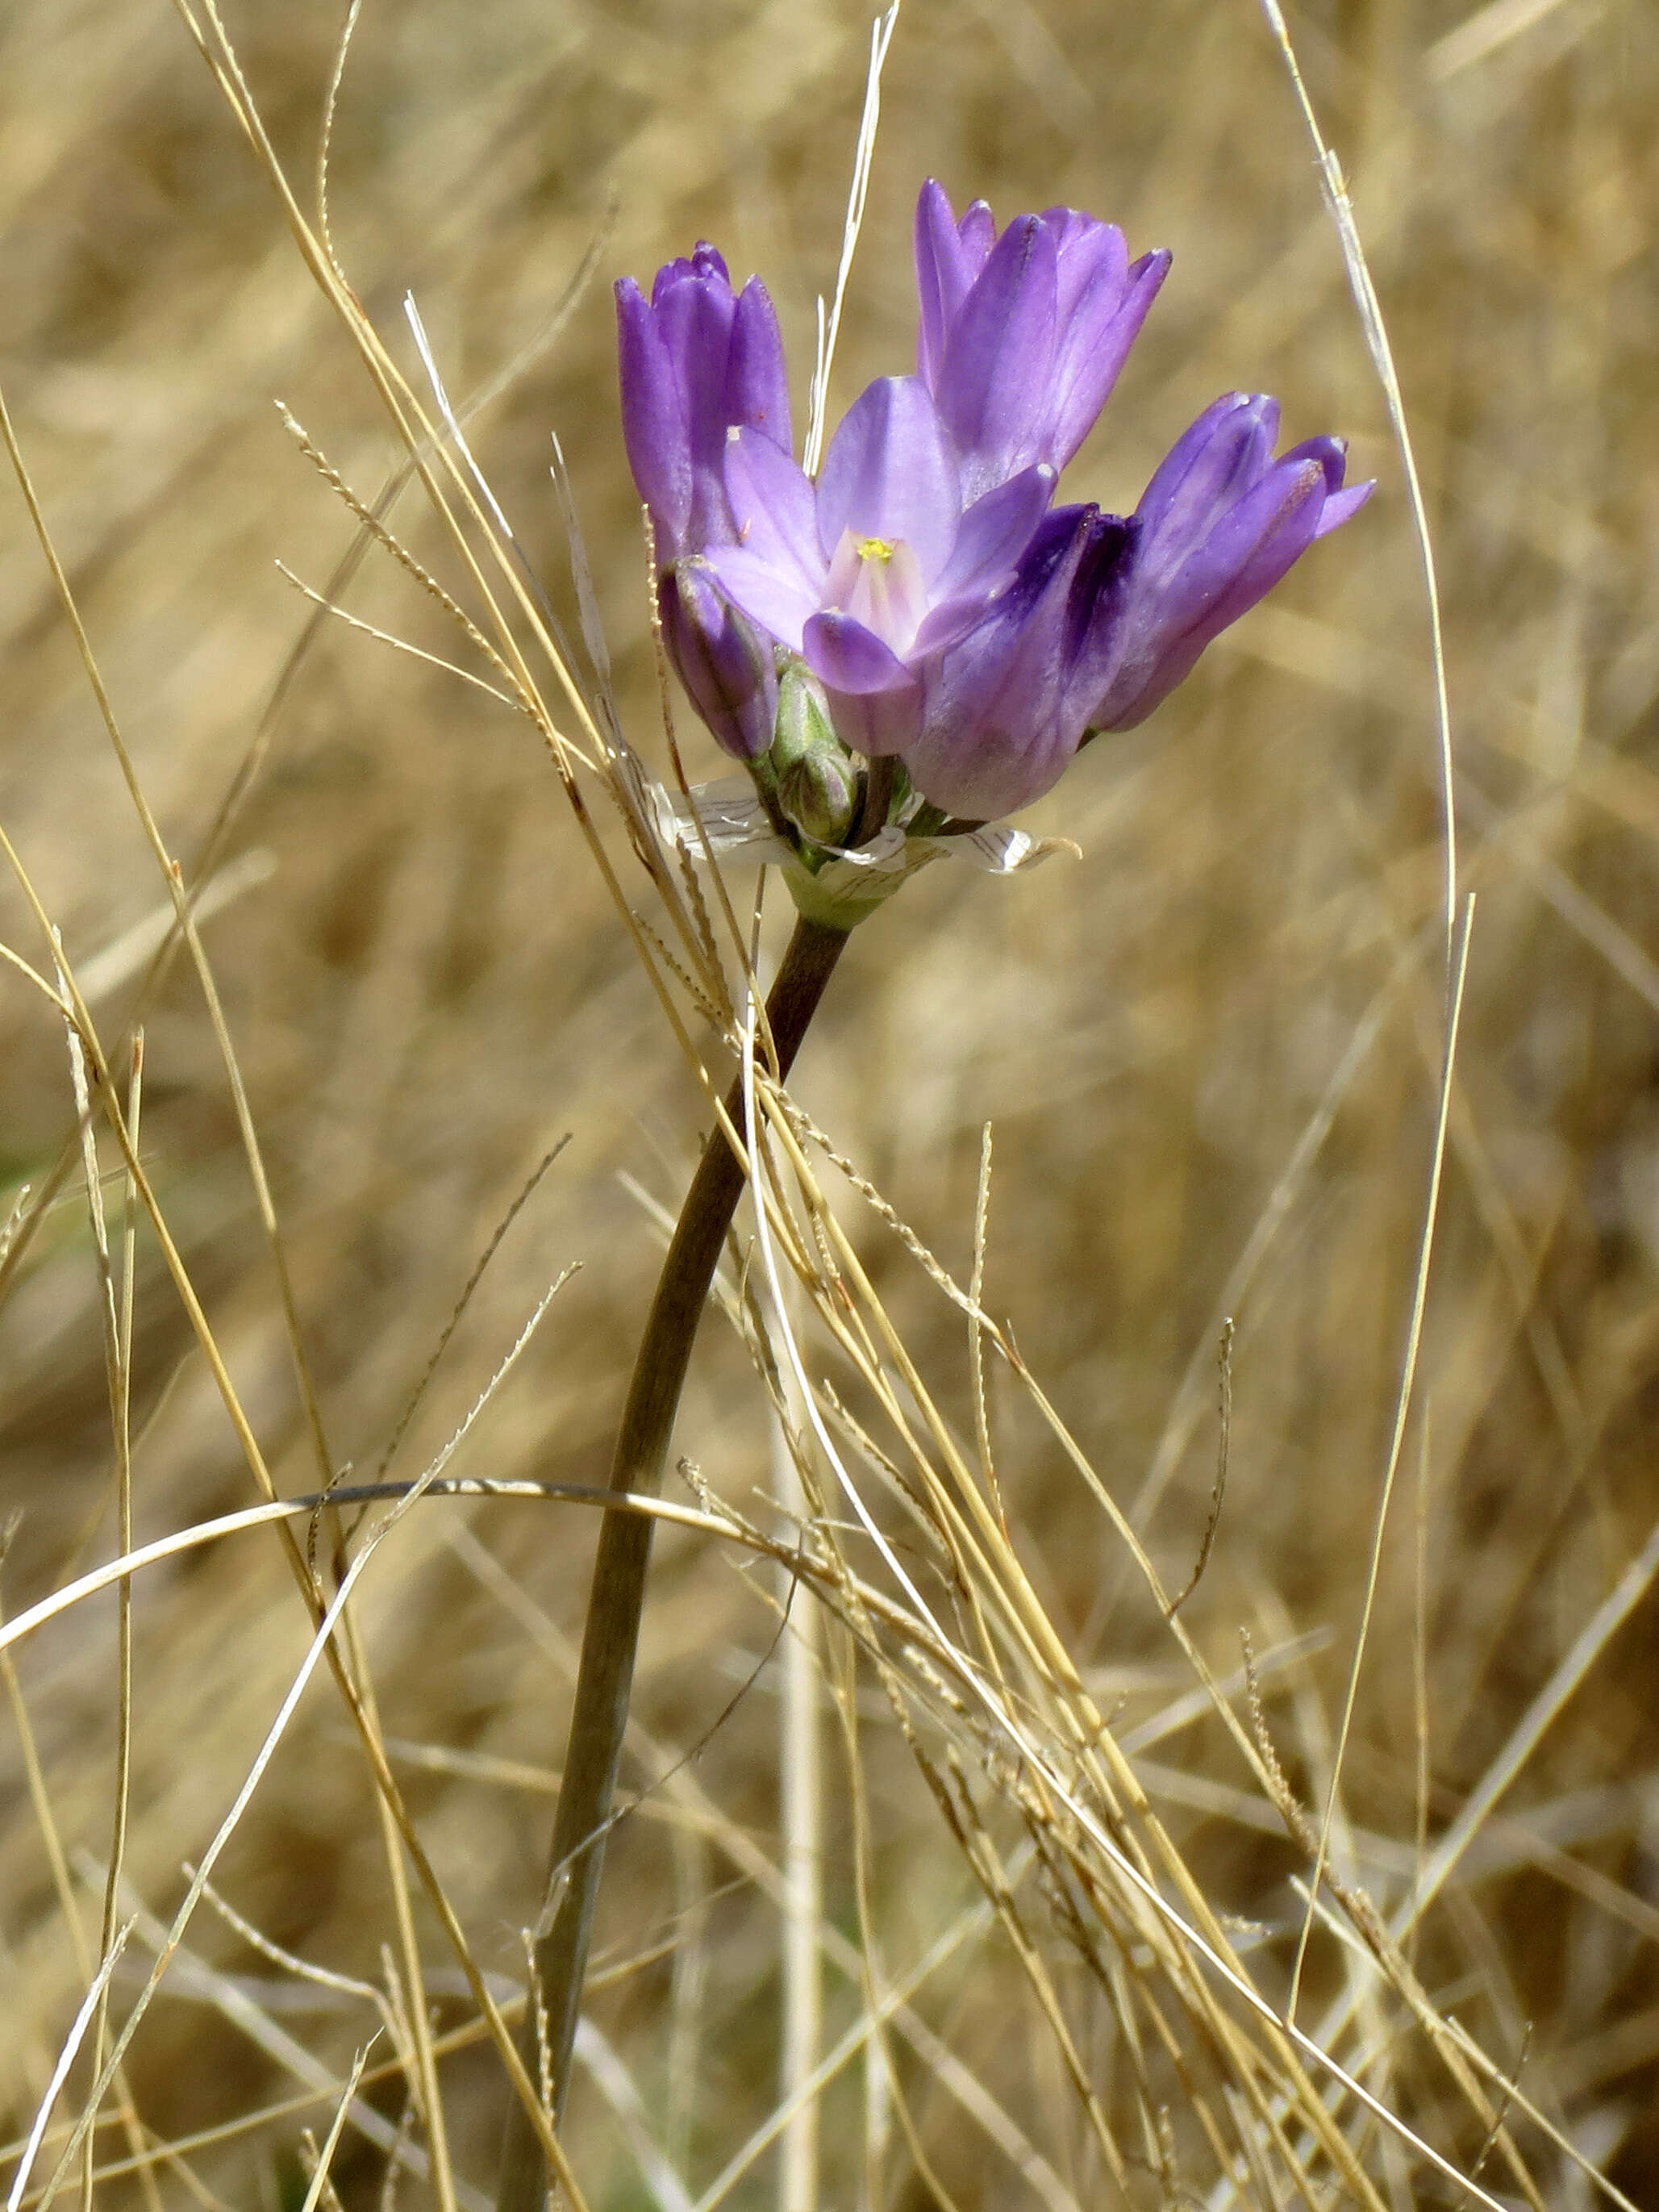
{"x": 1006, "y": 706}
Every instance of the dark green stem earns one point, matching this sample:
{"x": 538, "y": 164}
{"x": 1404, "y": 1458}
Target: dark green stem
{"x": 610, "y": 1635}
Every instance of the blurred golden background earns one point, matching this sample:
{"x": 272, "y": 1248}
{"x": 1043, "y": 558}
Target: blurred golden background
{"x": 1210, "y": 1052}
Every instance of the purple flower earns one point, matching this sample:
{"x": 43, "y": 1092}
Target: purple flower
{"x": 1022, "y": 336}
{"x": 950, "y": 619}
{"x": 1220, "y": 524}
{"x": 695, "y": 361}
{"x": 877, "y": 565}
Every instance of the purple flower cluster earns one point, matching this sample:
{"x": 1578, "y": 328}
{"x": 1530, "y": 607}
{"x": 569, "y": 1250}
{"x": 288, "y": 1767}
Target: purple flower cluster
{"x": 953, "y": 616}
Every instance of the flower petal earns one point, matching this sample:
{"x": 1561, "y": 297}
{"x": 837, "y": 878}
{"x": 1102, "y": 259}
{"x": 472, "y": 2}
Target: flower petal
{"x": 705, "y": 261}
{"x": 1338, "y": 506}
{"x": 1091, "y": 259}
{"x": 654, "y": 425}
{"x": 1210, "y": 465}
{"x": 846, "y": 657}
{"x": 1249, "y": 549}
{"x": 995, "y": 531}
{"x": 994, "y": 387}
{"x": 694, "y": 318}
{"x": 884, "y": 590}
{"x": 1097, "y": 326}
{"x": 724, "y": 666}
{"x": 773, "y": 508}
{"x": 889, "y": 474}
{"x": 943, "y": 272}
{"x": 778, "y": 598}
{"x": 1332, "y": 454}
{"x": 1167, "y": 620}
{"x": 978, "y": 233}
{"x": 757, "y": 383}
{"x": 1003, "y": 715}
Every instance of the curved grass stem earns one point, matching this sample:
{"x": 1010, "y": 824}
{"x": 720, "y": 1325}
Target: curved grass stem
{"x": 610, "y": 1634}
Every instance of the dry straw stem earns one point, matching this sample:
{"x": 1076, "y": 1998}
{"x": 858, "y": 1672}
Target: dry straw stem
{"x": 1214, "y": 1057}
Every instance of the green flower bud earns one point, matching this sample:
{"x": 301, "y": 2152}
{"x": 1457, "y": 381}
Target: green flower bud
{"x": 818, "y": 779}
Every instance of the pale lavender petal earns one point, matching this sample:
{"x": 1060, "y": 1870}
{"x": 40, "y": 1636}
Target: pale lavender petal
{"x": 847, "y": 657}
{"x": 994, "y": 532}
{"x": 773, "y": 508}
{"x": 994, "y": 386}
{"x": 653, "y": 426}
{"x": 757, "y": 383}
{"x": 947, "y": 621}
{"x": 1338, "y": 506}
{"x": 779, "y": 599}
{"x": 884, "y": 590}
{"x": 889, "y": 474}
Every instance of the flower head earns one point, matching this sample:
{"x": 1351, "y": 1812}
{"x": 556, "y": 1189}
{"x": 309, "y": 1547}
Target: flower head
{"x": 921, "y": 594}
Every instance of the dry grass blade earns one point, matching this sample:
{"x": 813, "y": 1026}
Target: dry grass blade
{"x": 66, "y": 2058}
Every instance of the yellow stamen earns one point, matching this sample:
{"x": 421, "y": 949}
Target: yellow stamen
{"x": 875, "y": 549}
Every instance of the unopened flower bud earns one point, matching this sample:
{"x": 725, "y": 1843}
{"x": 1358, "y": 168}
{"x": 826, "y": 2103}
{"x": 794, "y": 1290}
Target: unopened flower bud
{"x": 817, "y": 780}
{"x": 724, "y": 664}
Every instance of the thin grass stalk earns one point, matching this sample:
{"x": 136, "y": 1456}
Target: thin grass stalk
{"x": 801, "y": 1811}
{"x": 598, "y": 1717}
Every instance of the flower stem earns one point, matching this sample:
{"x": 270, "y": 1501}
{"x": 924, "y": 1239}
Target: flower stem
{"x": 599, "y": 1716}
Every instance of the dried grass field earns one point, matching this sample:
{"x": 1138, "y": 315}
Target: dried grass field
{"x": 962, "y": 1872}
